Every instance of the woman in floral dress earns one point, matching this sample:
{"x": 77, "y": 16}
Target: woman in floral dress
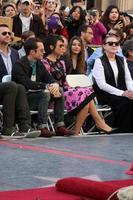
{"x": 78, "y": 101}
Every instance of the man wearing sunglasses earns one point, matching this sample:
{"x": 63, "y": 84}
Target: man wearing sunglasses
{"x": 12, "y": 95}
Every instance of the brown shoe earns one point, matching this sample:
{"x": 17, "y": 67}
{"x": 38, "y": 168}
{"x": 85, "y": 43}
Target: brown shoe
{"x": 62, "y": 131}
{"x": 46, "y": 133}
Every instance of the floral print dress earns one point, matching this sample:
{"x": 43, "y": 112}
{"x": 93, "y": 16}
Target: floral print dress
{"x": 75, "y": 98}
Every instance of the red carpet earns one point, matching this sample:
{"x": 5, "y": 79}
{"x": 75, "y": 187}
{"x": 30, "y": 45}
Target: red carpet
{"x": 92, "y": 189}
{"x": 49, "y": 193}
{"x": 69, "y": 189}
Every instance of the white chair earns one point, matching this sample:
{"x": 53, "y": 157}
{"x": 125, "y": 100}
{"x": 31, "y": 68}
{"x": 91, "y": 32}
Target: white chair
{"x": 6, "y": 78}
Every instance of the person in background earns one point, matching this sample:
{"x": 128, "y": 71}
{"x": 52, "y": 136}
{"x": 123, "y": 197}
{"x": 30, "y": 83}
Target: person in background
{"x": 9, "y": 10}
{"x": 128, "y": 30}
{"x": 128, "y": 19}
{"x": 80, "y": 3}
{"x": 56, "y": 25}
{"x": 37, "y": 8}
{"x": 99, "y": 31}
{"x": 25, "y": 35}
{"x": 26, "y": 21}
{"x": 78, "y": 101}
{"x": 86, "y": 34}
{"x": 127, "y": 50}
{"x": 111, "y": 18}
{"x": 64, "y": 12}
{"x": 113, "y": 84}
{"x": 49, "y": 7}
{"x": 75, "y": 20}
{"x": 18, "y": 6}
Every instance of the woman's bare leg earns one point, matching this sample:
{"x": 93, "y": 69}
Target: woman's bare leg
{"x": 80, "y": 118}
{"x": 100, "y": 123}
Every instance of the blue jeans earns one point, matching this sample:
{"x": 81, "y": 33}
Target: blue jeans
{"x": 40, "y": 101}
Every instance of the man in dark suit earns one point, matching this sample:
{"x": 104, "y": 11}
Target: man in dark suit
{"x": 26, "y": 21}
{"x": 41, "y": 87}
{"x": 17, "y": 109}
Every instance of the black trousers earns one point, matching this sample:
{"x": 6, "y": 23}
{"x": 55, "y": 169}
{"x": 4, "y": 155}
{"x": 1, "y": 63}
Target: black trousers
{"x": 15, "y": 106}
{"x": 122, "y": 108}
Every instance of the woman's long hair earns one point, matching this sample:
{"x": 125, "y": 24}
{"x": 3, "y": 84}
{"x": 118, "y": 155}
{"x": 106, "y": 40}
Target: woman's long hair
{"x": 81, "y": 56}
{"x": 105, "y": 18}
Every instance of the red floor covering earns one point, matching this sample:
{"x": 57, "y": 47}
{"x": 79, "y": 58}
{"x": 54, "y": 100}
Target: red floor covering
{"x": 69, "y": 188}
{"x": 49, "y": 193}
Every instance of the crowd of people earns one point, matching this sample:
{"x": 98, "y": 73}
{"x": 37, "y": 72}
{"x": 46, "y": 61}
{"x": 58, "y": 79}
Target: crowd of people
{"x": 55, "y": 40}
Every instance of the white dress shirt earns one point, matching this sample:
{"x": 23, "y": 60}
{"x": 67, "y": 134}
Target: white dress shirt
{"x": 98, "y": 74}
{"x": 7, "y": 61}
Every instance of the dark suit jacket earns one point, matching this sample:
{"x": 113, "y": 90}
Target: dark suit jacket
{"x": 36, "y": 25}
{"x": 22, "y": 72}
{"x": 14, "y": 58}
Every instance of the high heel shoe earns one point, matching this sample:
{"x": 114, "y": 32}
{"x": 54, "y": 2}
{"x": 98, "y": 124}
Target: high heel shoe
{"x": 100, "y": 130}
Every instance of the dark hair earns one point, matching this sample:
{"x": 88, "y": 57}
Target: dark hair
{"x": 31, "y": 44}
{"x": 26, "y": 34}
{"x": 8, "y": 5}
{"x": 83, "y": 28}
{"x": 4, "y": 25}
{"x": 75, "y": 1}
{"x": 51, "y": 40}
{"x": 105, "y": 18}
{"x": 108, "y": 36}
{"x": 127, "y": 46}
{"x": 82, "y": 14}
{"x": 119, "y": 33}
{"x": 81, "y": 57}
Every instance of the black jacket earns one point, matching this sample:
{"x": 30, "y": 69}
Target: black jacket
{"x": 36, "y": 25}
{"x": 14, "y": 57}
{"x": 21, "y": 73}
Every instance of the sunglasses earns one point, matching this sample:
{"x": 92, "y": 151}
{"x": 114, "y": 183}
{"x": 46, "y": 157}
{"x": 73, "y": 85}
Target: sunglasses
{"x": 113, "y": 43}
{"x": 6, "y": 33}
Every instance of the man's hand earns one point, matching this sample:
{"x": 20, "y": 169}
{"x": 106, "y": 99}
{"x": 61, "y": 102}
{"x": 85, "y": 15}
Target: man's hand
{"x": 54, "y": 89}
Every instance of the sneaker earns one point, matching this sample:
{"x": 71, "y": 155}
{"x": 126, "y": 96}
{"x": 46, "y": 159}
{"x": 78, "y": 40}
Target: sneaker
{"x": 14, "y": 135}
{"x": 62, "y": 131}
{"x": 46, "y": 133}
{"x": 32, "y": 133}
{"x": 28, "y": 131}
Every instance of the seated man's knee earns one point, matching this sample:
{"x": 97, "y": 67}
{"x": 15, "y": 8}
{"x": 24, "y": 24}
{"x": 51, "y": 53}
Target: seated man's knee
{"x": 10, "y": 86}
{"x": 21, "y": 88}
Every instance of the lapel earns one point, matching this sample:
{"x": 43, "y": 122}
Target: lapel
{"x": 3, "y": 69}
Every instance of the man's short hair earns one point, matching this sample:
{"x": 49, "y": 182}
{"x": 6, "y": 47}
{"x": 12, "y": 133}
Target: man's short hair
{"x": 4, "y": 25}
{"x": 83, "y": 28}
{"x": 31, "y": 44}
